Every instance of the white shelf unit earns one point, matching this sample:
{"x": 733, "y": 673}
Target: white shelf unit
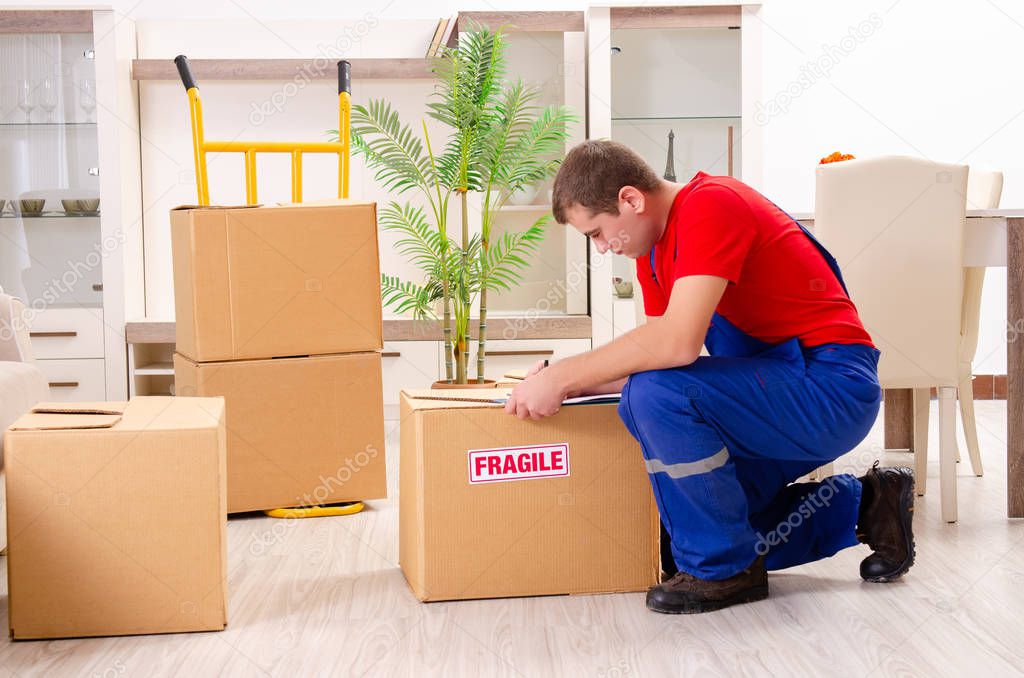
{"x": 70, "y": 268}
{"x": 693, "y": 69}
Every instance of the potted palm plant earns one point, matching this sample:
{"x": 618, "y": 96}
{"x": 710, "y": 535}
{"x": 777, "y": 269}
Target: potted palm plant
{"x": 501, "y": 141}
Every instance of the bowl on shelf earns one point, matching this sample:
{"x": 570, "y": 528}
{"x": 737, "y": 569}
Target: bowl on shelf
{"x": 623, "y": 288}
{"x": 524, "y": 197}
{"x": 31, "y": 207}
{"x": 79, "y": 207}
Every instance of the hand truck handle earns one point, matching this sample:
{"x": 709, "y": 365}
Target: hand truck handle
{"x": 181, "y": 61}
{"x": 344, "y": 77}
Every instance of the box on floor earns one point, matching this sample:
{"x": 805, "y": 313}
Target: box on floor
{"x": 270, "y": 282}
{"x": 300, "y": 431}
{"x": 492, "y": 506}
{"x": 116, "y": 518}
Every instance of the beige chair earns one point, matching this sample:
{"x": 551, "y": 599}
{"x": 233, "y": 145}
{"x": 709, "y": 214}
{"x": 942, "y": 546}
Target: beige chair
{"x": 984, "y": 189}
{"x": 896, "y": 226}
{"x": 22, "y": 384}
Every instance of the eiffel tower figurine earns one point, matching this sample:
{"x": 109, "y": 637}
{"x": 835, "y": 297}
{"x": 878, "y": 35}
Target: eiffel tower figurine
{"x": 670, "y": 166}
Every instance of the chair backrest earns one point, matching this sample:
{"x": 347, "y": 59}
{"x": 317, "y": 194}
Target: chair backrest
{"x": 896, "y": 226}
{"x": 984, "y": 189}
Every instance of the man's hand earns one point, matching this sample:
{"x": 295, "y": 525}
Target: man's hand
{"x": 539, "y": 395}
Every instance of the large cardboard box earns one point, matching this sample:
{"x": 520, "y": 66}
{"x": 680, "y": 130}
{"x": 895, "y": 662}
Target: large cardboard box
{"x": 269, "y": 282}
{"x": 116, "y": 518}
{"x": 492, "y": 506}
{"x": 301, "y": 431}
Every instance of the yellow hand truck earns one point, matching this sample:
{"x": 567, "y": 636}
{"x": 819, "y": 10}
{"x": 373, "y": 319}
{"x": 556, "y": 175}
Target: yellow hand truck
{"x": 201, "y": 146}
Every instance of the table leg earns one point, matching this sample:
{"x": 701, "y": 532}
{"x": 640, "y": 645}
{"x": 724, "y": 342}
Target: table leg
{"x": 899, "y": 419}
{"x": 1014, "y": 365}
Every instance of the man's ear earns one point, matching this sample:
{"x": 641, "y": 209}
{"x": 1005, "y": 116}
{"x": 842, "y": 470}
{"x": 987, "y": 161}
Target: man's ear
{"x": 632, "y": 196}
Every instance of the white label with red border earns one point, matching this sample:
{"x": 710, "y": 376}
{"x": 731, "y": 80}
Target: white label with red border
{"x": 526, "y": 462}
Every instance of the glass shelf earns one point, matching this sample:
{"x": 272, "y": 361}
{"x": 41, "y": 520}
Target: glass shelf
{"x": 53, "y": 215}
{"x": 47, "y": 124}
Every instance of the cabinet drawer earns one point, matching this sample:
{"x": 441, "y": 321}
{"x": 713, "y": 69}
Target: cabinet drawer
{"x": 75, "y": 380}
{"x": 67, "y": 333}
{"x": 520, "y": 354}
{"x": 408, "y": 364}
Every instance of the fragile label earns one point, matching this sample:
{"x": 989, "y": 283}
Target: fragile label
{"x": 518, "y": 463}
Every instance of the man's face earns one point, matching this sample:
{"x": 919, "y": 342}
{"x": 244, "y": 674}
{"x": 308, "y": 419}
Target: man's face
{"x": 630, "y": 233}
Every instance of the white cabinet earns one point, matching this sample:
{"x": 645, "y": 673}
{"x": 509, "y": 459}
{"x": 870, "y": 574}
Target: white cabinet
{"x": 66, "y": 229}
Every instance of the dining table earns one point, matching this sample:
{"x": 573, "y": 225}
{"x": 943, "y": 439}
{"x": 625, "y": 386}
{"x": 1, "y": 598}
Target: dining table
{"x": 992, "y": 238}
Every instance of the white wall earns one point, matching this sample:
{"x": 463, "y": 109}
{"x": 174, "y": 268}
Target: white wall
{"x": 933, "y": 79}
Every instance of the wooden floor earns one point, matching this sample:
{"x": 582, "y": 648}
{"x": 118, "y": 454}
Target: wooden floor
{"x": 325, "y": 597}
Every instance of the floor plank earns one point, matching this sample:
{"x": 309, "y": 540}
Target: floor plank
{"x": 325, "y": 597}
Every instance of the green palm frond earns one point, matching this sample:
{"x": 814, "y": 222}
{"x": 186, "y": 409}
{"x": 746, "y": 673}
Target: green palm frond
{"x": 503, "y": 264}
{"x": 469, "y": 78}
{"x": 536, "y": 151}
{"x": 389, "y": 147}
{"x": 421, "y": 242}
{"x": 404, "y": 297}
{"x": 514, "y": 112}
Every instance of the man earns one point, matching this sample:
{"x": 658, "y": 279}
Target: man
{"x": 790, "y": 383}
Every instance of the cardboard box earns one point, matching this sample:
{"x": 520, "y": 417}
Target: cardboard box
{"x": 301, "y": 431}
{"x": 269, "y": 282}
{"x": 116, "y": 518}
{"x": 491, "y": 506}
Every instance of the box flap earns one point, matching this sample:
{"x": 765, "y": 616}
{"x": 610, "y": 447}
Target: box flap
{"x": 327, "y": 202}
{"x": 214, "y": 207}
{"x": 450, "y": 399}
{"x": 454, "y": 398}
{"x": 70, "y": 421}
{"x": 113, "y": 407}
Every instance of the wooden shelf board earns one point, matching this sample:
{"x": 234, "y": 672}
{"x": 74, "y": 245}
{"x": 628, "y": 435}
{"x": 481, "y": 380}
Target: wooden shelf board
{"x": 155, "y": 369}
{"x": 46, "y": 21}
{"x": 282, "y": 69}
{"x": 516, "y": 22}
{"x": 403, "y": 329}
{"x": 710, "y": 16}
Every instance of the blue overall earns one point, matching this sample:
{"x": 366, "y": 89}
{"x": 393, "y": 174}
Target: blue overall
{"x": 725, "y": 436}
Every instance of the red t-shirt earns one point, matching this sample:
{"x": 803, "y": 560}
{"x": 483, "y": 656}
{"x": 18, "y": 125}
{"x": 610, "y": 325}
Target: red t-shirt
{"x": 780, "y": 285}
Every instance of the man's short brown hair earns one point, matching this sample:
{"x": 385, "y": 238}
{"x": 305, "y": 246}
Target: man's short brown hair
{"x": 592, "y": 174}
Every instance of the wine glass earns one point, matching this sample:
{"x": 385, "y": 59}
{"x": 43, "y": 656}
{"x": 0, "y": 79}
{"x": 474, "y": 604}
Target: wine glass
{"x": 25, "y": 98}
{"x": 48, "y": 98}
{"x": 88, "y": 98}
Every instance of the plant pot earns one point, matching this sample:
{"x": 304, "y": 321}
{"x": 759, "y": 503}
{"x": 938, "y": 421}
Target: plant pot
{"x": 488, "y": 383}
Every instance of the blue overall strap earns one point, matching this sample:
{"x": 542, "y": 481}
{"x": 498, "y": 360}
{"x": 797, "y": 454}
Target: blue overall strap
{"x": 829, "y": 259}
{"x": 654, "y": 272}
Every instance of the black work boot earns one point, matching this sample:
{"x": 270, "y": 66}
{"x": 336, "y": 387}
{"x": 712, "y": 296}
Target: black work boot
{"x": 885, "y": 522}
{"x": 686, "y": 594}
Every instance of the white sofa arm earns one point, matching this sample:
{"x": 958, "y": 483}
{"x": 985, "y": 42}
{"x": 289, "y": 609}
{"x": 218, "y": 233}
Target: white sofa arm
{"x": 15, "y": 344}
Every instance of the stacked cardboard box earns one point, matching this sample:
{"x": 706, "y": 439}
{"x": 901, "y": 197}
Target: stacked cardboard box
{"x": 492, "y": 506}
{"x": 278, "y": 310}
{"x": 116, "y": 518}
